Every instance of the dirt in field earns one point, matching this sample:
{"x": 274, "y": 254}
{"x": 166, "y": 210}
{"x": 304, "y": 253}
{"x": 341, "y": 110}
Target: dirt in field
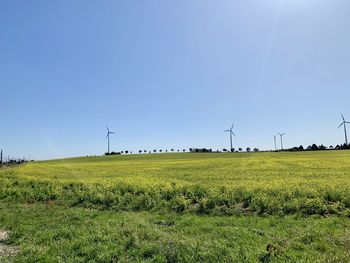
{"x": 6, "y": 250}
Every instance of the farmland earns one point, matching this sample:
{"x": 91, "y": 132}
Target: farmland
{"x": 180, "y": 208}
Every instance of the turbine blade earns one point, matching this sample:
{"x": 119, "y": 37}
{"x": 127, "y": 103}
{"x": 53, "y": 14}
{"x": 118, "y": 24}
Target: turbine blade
{"x": 233, "y": 124}
{"x": 226, "y": 130}
{"x": 342, "y": 116}
{"x": 107, "y": 128}
{"x": 233, "y": 133}
{"x": 341, "y": 125}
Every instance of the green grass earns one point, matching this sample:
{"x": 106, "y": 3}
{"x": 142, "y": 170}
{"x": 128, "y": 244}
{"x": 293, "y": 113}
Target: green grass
{"x": 49, "y": 233}
{"x": 257, "y": 207}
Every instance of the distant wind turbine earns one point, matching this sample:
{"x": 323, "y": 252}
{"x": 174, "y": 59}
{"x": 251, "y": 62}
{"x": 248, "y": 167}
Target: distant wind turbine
{"x": 274, "y": 138}
{"x": 231, "y": 133}
{"x": 344, "y": 123}
{"x": 281, "y": 135}
{"x": 108, "y": 134}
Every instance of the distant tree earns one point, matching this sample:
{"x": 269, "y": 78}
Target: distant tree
{"x": 126, "y": 152}
{"x": 131, "y": 152}
{"x": 337, "y": 147}
{"x": 301, "y": 148}
{"x": 154, "y": 151}
{"x": 224, "y": 150}
{"x": 166, "y": 151}
{"x": 140, "y": 151}
{"x": 184, "y": 150}
{"x": 160, "y": 151}
{"x": 240, "y": 149}
{"x": 322, "y": 147}
{"x": 232, "y": 150}
{"x": 314, "y": 147}
{"x": 122, "y": 152}
{"x": 331, "y": 147}
{"x": 255, "y": 149}
{"x": 248, "y": 149}
{"x": 172, "y": 150}
{"x": 178, "y": 150}
{"x": 144, "y": 151}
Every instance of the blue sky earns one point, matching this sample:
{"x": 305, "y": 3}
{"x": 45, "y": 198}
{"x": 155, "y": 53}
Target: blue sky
{"x": 171, "y": 74}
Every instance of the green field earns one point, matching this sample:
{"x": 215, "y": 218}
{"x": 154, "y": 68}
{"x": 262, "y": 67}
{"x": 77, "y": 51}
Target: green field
{"x": 240, "y": 207}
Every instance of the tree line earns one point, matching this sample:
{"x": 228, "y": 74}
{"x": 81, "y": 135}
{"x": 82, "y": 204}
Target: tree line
{"x": 313, "y": 147}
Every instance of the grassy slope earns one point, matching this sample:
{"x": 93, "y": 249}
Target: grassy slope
{"x": 232, "y": 170}
{"x": 56, "y": 226}
{"x": 265, "y": 183}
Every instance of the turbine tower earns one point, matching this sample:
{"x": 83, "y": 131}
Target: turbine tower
{"x": 231, "y": 133}
{"x": 108, "y": 134}
{"x": 344, "y": 123}
{"x": 274, "y": 138}
{"x": 281, "y": 135}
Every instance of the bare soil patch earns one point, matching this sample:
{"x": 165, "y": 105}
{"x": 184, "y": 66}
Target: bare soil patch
{"x": 6, "y": 250}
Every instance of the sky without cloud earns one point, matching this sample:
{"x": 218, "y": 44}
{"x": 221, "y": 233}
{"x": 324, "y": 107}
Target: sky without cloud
{"x": 171, "y": 74}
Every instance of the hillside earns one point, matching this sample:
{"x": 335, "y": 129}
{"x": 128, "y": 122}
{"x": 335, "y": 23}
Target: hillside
{"x": 256, "y": 207}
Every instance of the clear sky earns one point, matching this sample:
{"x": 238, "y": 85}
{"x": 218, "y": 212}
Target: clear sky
{"x": 171, "y": 74}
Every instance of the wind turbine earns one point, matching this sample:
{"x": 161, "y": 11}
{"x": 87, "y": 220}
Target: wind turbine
{"x": 344, "y": 123}
{"x": 274, "y": 138}
{"x": 281, "y": 135}
{"x": 108, "y": 134}
{"x": 231, "y": 133}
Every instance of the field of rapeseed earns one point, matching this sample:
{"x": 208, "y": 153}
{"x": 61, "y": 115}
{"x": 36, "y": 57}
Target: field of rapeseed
{"x": 253, "y": 207}
{"x": 311, "y": 183}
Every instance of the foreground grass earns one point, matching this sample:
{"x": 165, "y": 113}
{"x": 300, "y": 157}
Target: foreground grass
{"x": 51, "y": 233}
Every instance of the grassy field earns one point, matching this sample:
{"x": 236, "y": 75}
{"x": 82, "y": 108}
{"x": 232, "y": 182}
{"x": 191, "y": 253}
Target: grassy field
{"x": 252, "y": 207}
